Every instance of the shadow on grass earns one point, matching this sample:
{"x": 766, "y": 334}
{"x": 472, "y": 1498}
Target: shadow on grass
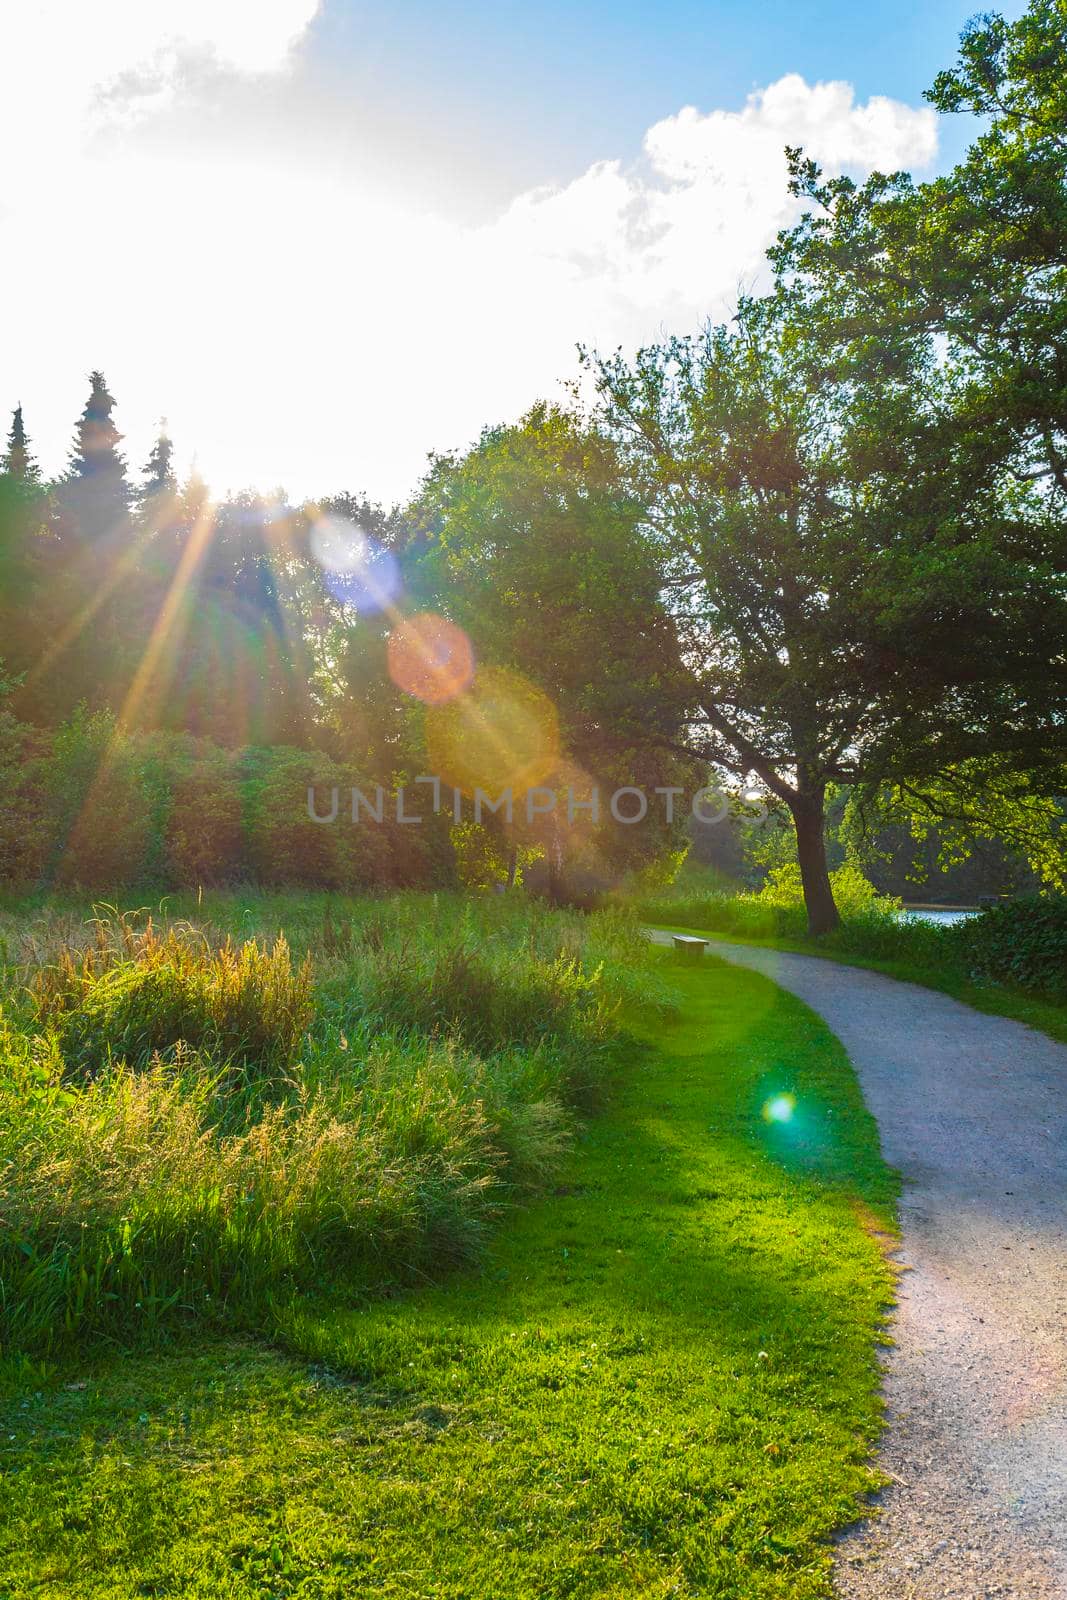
{"x": 661, "y": 1382}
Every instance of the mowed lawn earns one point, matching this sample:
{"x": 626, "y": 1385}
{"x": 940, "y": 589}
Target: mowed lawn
{"x": 661, "y": 1381}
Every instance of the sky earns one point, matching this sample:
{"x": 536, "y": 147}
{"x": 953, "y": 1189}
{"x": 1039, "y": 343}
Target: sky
{"x": 324, "y": 238}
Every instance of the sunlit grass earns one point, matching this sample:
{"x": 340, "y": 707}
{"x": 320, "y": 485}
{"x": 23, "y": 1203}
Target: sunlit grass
{"x": 660, "y": 1382}
{"x": 194, "y": 1122}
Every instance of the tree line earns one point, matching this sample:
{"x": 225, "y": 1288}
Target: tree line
{"x": 820, "y": 548}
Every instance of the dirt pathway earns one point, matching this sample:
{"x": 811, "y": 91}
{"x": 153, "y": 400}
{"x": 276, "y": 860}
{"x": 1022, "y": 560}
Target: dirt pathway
{"x": 973, "y": 1111}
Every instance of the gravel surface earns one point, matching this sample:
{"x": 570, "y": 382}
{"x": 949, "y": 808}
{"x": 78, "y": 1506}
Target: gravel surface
{"x": 973, "y": 1111}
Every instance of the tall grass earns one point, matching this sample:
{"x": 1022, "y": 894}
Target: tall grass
{"x": 135, "y": 993}
{"x": 195, "y": 1122}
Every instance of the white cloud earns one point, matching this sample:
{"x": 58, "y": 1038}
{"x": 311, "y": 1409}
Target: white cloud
{"x": 68, "y": 66}
{"x": 92, "y": 42}
{"x": 298, "y": 331}
{"x": 680, "y": 235}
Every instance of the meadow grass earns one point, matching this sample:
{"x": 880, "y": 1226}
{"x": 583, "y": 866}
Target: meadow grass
{"x": 661, "y": 1380}
{"x": 196, "y": 1120}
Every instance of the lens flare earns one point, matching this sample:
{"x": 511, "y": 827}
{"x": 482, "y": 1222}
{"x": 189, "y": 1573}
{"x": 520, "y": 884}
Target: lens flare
{"x": 430, "y": 658}
{"x": 780, "y": 1108}
{"x": 502, "y": 734}
{"x": 358, "y": 571}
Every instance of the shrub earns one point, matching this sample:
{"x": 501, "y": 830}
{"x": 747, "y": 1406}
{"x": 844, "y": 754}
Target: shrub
{"x": 853, "y": 894}
{"x": 777, "y": 910}
{"x": 283, "y": 845}
{"x": 875, "y": 935}
{"x": 204, "y": 837}
{"x": 1023, "y": 942}
{"x": 23, "y": 828}
{"x": 98, "y": 809}
{"x": 92, "y": 806}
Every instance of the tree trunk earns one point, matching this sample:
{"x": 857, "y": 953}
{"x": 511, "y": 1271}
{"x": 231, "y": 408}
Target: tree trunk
{"x": 809, "y": 820}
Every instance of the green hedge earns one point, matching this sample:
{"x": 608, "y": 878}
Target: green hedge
{"x": 1023, "y": 942}
{"x": 92, "y": 806}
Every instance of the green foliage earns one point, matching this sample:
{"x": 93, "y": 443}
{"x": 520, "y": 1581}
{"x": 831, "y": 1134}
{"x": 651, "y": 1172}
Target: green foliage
{"x": 23, "y": 509}
{"x": 95, "y": 495}
{"x": 18, "y": 462}
{"x": 545, "y": 558}
{"x": 191, "y": 1127}
{"x": 22, "y": 833}
{"x": 159, "y": 486}
{"x": 204, "y": 834}
{"x": 487, "y": 1001}
{"x": 98, "y": 806}
{"x": 662, "y": 1383}
{"x": 538, "y": 549}
{"x": 823, "y": 545}
{"x": 853, "y": 893}
{"x": 777, "y": 910}
{"x": 283, "y": 843}
{"x": 485, "y": 857}
{"x": 857, "y": 595}
{"x": 979, "y": 801}
{"x": 98, "y": 810}
{"x": 971, "y": 265}
{"x": 1019, "y": 947}
{"x": 1022, "y": 943}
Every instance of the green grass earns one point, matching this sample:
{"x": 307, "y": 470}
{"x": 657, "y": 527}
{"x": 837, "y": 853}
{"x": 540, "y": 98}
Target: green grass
{"x": 193, "y": 1126}
{"x": 996, "y": 1000}
{"x": 661, "y": 1382}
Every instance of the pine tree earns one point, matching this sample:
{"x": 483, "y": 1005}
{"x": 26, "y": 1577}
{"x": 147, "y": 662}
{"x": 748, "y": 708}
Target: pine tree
{"x": 159, "y": 475}
{"x": 18, "y": 462}
{"x": 96, "y": 493}
{"x": 157, "y": 498}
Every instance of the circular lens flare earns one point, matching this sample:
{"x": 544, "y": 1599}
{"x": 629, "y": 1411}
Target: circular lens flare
{"x": 430, "y": 658}
{"x": 502, "y": 734}
{"x": 358, "y": 571}
{"x": 780, "y": 1108}
{"x": 339, "y": 545}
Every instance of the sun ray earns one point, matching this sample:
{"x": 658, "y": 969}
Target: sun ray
{"x": 190, "y": 559}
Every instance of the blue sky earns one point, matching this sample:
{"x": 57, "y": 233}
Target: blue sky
{"x": 325, "y": 237}
{"x": 537, "y": 92}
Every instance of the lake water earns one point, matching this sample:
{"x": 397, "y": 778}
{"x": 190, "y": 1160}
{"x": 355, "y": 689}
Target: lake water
{"x": 936, "y": 916}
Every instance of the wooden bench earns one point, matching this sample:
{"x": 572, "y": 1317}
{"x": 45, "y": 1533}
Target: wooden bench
{"x": 688, "y": 947}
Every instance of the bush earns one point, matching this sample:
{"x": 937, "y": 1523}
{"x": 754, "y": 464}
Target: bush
{"x": 95, "y": 807}
{"x": 203, "y": 836}
{"x": 1023, "y": 942}
{"x": 777, "y": 910}
{"x": 23, "y": 828}
{"x": 284, "y": 845}
{"x": 875, "y": 935}
{"x": 98, "y": 809}
{"x": 853, "y": 894}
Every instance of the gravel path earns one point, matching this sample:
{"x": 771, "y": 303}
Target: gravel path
{"x": 973, "y": 1111}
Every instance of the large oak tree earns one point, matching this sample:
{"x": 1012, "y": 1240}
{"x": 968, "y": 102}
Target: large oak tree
{"x": 858, "y": 587}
